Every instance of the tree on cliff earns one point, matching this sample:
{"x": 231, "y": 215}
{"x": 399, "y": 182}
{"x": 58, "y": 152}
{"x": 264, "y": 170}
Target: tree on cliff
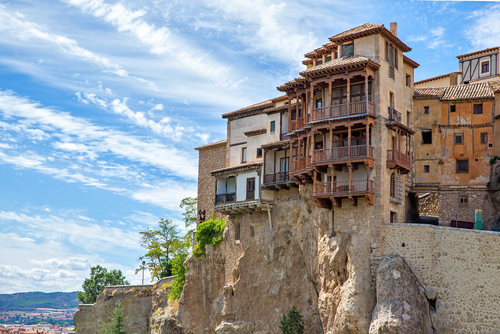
{"x": 99, "y": 279}
{"x": 293, "y": 323}
{"x": 117, "y": 322}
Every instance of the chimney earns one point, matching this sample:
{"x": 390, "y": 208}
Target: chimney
{"x": 394, "y": 28}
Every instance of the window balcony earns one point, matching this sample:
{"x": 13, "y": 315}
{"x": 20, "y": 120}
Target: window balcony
{"x": 225, "y": 198}
{"x": 398, "y": 160}
{"x": 394, "y": 116}
{"x": 342, "y": 110}
{"x": 342, "y": 154}
{"x": 298, "y": 164}
{"x": 337, "y": 190}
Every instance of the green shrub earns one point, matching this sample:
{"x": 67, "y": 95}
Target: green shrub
{"x": 494, "y": 159}
{"x": 179, "y": 269}
{"x": 208, "y": 232}
{"x": 293, "y": 323}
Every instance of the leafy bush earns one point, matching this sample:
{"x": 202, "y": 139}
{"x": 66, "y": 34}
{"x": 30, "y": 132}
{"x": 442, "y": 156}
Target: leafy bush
{"x": 494, "y": 159}
{"x": 179, "y": 269}
{"x": 293, "y": 323}
{"x": 208, "y": 232}
{"x": 117, "y": 322}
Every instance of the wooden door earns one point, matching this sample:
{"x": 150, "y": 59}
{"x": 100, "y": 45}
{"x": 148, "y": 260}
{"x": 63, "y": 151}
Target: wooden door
{"x": 250, "y": 188}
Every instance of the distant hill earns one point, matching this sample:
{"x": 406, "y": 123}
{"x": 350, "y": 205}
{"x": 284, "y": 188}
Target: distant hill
{"x": 32, "y": 300}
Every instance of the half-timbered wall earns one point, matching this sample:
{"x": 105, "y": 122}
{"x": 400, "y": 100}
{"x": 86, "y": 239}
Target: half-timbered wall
{"x": 471, "y": 67}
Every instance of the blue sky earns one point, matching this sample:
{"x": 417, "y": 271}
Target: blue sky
{"x": 102, "y": 103}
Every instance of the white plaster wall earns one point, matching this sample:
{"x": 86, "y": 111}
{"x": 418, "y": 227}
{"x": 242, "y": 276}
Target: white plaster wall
{"x": 272, "y": 137}
{"x": 241, "y": 185}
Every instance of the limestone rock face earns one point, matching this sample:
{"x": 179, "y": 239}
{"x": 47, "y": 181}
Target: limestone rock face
{"x": 401, "y": 303}
{"x": 201, "y": 302}
{"x": 235, "y": 328}
{"x": 494, "y": 196}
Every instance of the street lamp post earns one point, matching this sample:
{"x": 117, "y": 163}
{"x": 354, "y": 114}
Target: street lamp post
{"x": 143, "y": 264}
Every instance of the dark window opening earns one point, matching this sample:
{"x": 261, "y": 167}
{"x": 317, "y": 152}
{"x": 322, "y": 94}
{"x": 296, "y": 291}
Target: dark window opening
{"x": 459, "y": 138}
{"x": 394, "y": 217}
{"x": 319, "y": 62}
{"x": 244, "y": 154}
{"x": 347, "y": 50}
{"x": 453, "y": 108}
{"x": 251, "y": 188}
{"x": 485, "y": 67}
{"x": 273, "y": 126}
{"x": 427, "y": 169}
{"x": 462, "y": 166}
{"x": 463, "y": 200}
{"x": 259, "y": 153}
{"x": 478, "y": 109}
{"x": 484, "y": 138}
{"x": 408, "y": 80}
{"x": 426, "y": 110}
{"x": 426, "y": 137}
{"x": 328, "y": 59}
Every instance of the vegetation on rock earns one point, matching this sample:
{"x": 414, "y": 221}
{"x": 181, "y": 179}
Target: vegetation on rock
{"x": 293, "y": 323}
{"x": 209, "y": 232}
{"x": 99, "y": 279}
{"x": 117, "y": 322}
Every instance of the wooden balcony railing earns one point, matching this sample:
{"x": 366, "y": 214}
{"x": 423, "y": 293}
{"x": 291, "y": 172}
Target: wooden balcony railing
{"x": 394, "y": 116}
{"x": 300, "y": 123}
{"x": 298, "y": 164}
{"x": 341, "y": 110}
{"x": 342, "y": 153}
{"x": 276, "y": 177}
{"x": 225, "y": 198}
{"x": 292, "y": 126}
{"x": 250, "y": 194}
{"x": 397, "y": 157}
{"x": 343, "y": 187}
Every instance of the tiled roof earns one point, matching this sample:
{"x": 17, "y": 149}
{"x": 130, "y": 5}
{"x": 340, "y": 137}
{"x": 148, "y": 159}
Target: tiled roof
{"x": 410, "y": 62}
{"x": 366, "y": 30}
{"x": 236, "y": 169}
{"x": 434, "y": 78}
{"x": 428, "y": 93}
{"x": 277, "y": 144}
{"x": 339, "y": 63}
{"x": 495, "y": 85}
{"x": 214, "y": 144}
{"x": 477, "y": 91}
{"x": 295, "y": 82}
{"x": 255, "y": 132}
{"x": 283, "y": 97}
{"x": 278, "y": 109}
{"x": 468, "y": 92}
{"x": 476, "y": 53}
{"x": 250, "y": 110}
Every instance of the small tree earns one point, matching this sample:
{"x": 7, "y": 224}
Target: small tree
{"x": 117, "y": 322}
{"x": 99, "y": 279}
{"x": 208, "y": 232}
{"x": 293, "y": 323}
{"x": 179, "y": 269}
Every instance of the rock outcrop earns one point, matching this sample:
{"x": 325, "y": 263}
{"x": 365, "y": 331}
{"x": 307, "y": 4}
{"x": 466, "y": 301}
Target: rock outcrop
{"x": 494, "y": 196}
{"x": 402, "y": 306}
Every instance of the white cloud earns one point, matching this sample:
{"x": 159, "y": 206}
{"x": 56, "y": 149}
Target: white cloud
{"x": 86, "y": 218}
{"x": 72, "y": 263}
{"x": 485, "y": 31}
{"x": 167, "y": 194}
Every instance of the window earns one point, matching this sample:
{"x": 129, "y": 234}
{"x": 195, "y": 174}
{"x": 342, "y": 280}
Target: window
{"x": 478, "y": 109}
{"x": 237, "y": 231}
{"x": 318, "y": 103}
{"x": 244, "y": 154}
{"x": 328, "y": 59}
{"x": 348, "y": 50}
{"x": 462, "y": 166}
{"x": 259, "y": 153}
{"x": 427, "y": 169}
{"x": 319, "y": 62}
{"x": 484, "y": 138}
{"x": 453, "y": 108}
{"x": 426, "y": 110}
{"x": 251, "y": 188}
{"x": 391, "y": 55}
{"x": 485, "y": 67}
{"x": 273, "y": 126}
{"x": 408, "y": 80}
{"x": 459, "y": 138}
{"x": 463, "y": 200}
{"x": 426, "y": 137}
{"x": 394, "y": 217}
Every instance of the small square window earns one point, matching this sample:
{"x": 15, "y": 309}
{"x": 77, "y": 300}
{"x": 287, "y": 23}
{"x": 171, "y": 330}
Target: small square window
{"x": 462, "y": 166}
{"x": 259, "y": 153}
{"x": 273, "y": 127}
{"x": 408, "y": 80}
{"x": 453, "y": 108}
{"x": 244, "y": 154}
{"x": 319, "y": 62}
{"x": 328, "y": 59}
{"x": 463, "y": 200}
{"x": 426, "y": 137}
{"x": 485, "y": 67}
{"x": 484, "y": 138}
{"x": 426, "y": 110}
{"x": 348, "y": 50}
{"x": 478, "y": 109}
{"x": 427, "y": 169}
{"x": 459, "y": 138}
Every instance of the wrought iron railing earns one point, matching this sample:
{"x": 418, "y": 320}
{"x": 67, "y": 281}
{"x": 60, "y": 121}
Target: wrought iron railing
{"x": 394, "y": 115}
{"x": 225, "y": 198}
{"x": 276, "y": 177}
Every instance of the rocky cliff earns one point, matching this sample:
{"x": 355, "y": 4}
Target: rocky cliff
{"x": 494, "y": 196}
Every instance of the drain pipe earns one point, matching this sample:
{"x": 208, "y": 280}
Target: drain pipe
{"x": 269, "y": 215}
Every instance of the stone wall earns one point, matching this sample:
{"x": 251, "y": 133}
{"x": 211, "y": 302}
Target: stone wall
{"x": 212, "y": 157}
{"x": 428, "y": 204}
{"x": 452, "y": 210}
{"x": 462, "y": 266}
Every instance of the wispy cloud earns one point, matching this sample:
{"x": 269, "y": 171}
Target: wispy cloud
{"x": 485, "y": 31}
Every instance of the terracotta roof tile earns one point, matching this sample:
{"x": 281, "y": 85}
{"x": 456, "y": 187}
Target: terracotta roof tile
{"x": 410, "y": 62}
{"x": 428, "y": 93}
{"x": 236, "y": 169}
{"x": 475, "y": 53}
{"x": 280, "y": 108}
{"x": 468, "y": 92}
{"x": 296, "y": 81}
{"x": 495, "y": 86}
{"x": 254, "y": 107}
{"x": 337, "y": 63}
{"x": 366, "y": 30}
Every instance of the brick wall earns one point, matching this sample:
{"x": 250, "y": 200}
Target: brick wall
{"x": 211, "y": 157}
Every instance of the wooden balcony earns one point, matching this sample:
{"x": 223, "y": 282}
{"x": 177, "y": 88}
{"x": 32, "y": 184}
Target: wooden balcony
{"x": 342, "y": 110}
{"x": 276, "y": 181}
{"x": 335, "y": 191}
{"x": 394, "y": 116}
{"x": 398, "y": 160}
{"x": 338, "y": 154}
{"x": 298, "y": 164}
{"x": 225, "y": 198}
